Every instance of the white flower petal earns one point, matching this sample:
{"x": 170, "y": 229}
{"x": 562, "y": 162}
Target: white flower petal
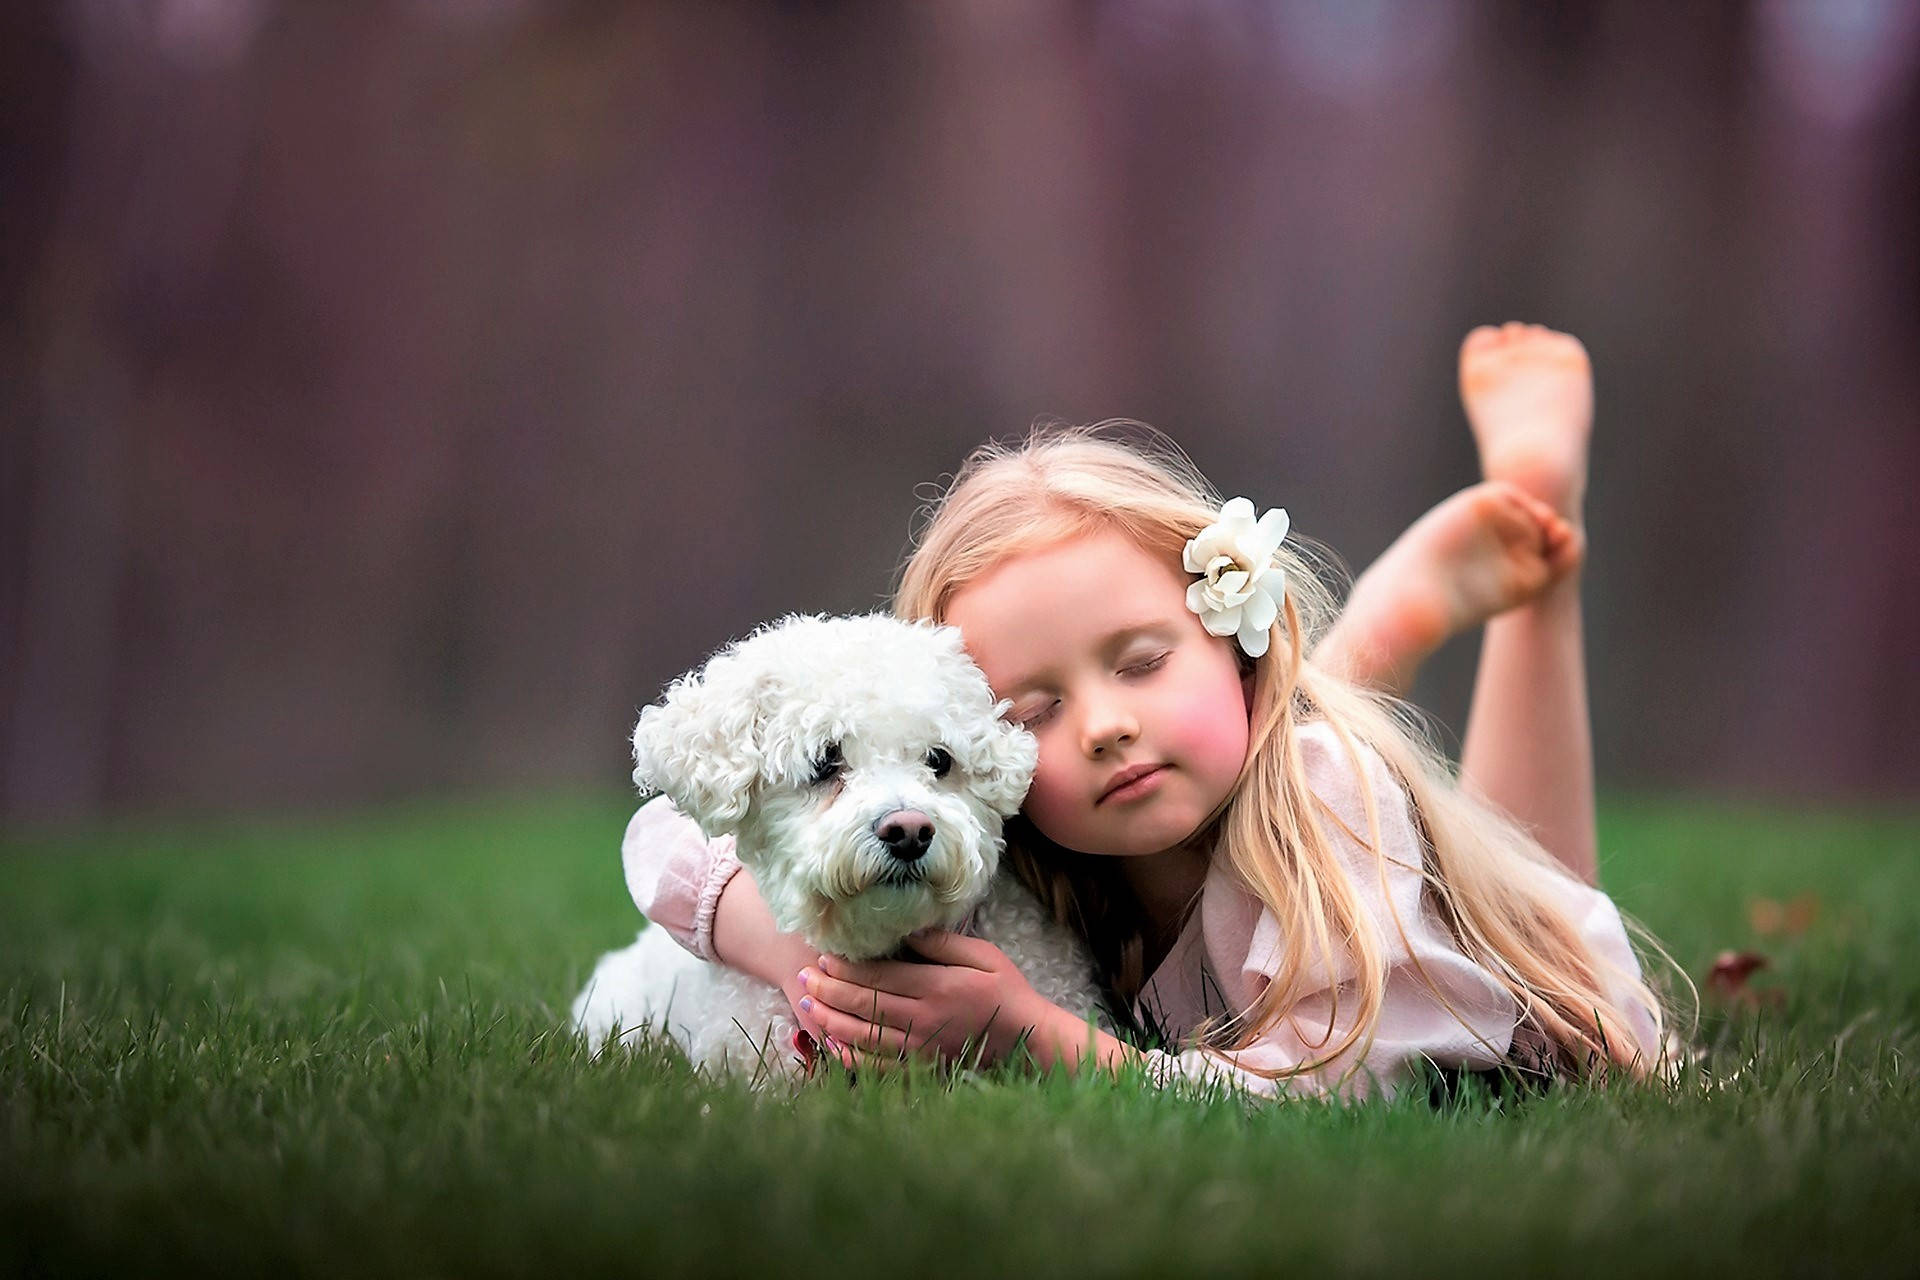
{"x": 1197, "y": 597}
{"x": 1272, "y": 531}
{"x": 1273, "y": 582}
{"x": 1253, "y": 640}
{"x": 1221, "y": 622}
{"x": 1234, "y": 581}
{"x": 1236, "y": 513}
{"x": 1260, "y": 612}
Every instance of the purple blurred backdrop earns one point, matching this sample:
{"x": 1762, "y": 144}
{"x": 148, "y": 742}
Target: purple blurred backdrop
{"x": 395, "y": 395}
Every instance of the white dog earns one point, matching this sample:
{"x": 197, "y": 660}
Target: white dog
{"x": 864, "y": 770}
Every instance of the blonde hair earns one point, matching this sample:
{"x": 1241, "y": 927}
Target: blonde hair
{"x": 1494, "y": 886}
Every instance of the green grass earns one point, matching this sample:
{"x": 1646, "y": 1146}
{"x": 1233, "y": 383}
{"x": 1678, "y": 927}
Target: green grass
{"x": 334, "y": 1049}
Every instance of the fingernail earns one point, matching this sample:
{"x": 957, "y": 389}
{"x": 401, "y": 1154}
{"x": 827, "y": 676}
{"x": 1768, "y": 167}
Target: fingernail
{"x": 826, "y": 963}
{"x": 806, "y": 977}
{"x": 806, "y": 1002}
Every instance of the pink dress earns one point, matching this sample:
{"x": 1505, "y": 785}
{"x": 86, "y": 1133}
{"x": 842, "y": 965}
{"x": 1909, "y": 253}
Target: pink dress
{"x": 1457, "y": 1015}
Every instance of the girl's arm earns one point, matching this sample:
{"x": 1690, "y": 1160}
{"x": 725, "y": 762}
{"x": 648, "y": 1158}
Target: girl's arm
{"x": 745, "y": 938}
{"x": 696, "y": 890}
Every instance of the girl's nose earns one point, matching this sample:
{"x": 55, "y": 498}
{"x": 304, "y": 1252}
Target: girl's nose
{"x": 1108, "y": 727}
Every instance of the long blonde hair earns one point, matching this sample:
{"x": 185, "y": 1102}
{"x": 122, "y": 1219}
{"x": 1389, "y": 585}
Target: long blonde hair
{"x": 1494, "y": 886}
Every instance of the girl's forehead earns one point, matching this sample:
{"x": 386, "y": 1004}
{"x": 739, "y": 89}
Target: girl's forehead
{"x": 1041, "y": 605}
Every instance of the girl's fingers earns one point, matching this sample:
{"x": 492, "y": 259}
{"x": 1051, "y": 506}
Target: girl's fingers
{"x": 893, "y": 976}
{"x": 943, "y": 946}
{"x": 852, "y": 998}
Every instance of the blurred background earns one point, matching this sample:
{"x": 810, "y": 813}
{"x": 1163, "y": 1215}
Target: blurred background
{"x": 394, "y": 395}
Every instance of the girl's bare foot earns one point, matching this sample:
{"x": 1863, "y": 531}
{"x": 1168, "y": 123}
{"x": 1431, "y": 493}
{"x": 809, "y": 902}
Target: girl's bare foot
{"x": 1483, "y": 551}
{"x": 1528, "y": 393}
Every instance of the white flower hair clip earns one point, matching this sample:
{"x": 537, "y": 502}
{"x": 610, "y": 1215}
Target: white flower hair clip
{"x": 1240, "y": 586}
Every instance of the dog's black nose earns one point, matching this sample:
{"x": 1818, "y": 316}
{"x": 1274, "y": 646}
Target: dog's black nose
{"x": 906, "y": 833}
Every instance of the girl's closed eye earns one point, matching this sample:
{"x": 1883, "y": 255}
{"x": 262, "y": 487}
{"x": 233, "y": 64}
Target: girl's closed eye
{"x": 1147, "y": 666}
{"x": 1037, "y": 716}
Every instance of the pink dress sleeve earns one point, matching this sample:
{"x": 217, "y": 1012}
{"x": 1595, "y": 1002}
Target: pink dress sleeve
{"x": 1438, "y": 1004}
{"x": 675, "y": 873}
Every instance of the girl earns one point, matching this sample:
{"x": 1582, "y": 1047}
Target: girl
{"x": 1270, "y": 868}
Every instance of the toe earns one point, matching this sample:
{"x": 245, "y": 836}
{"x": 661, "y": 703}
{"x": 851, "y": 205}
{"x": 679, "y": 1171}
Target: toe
{"x": 1566, "y": 554}
{"x": 1540, "y": 512}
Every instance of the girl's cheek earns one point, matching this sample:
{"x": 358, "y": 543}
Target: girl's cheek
{"x": 1215, "y": 737}
{"x": 1048, "y": 802}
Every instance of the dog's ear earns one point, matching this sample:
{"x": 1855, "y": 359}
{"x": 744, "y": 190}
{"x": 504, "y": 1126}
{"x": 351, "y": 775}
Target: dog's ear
{"x": 1000, "y": 757}
{"x": 1004, "y": 761}
{"x": 700, "y": 744}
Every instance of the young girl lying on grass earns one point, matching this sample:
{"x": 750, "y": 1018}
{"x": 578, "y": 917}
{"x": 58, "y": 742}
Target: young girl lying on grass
{"x": 1270, "y": 868}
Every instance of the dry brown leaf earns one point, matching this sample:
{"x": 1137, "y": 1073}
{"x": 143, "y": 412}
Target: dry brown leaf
{"x": 1770, "y": 917}
{"x": 1801, "y": 914}
{"x": 1727, "y": 981}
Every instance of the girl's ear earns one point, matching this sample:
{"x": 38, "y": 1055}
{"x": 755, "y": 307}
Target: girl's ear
{"x": 700, "y": 744}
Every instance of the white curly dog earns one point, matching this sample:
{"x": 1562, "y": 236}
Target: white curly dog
{"x": 865, "y": 772}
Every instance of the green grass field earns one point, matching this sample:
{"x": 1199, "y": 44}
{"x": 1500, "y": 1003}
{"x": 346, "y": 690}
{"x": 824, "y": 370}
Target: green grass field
{"x": 335, "y": 1048}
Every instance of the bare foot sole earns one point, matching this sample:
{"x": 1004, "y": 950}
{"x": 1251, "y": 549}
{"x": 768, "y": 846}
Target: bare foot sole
{"x": 1528, "y": 393}
{"x": 1483, "y": 551}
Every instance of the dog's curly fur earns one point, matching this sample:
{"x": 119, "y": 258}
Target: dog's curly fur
{"x": 800, "y": 741}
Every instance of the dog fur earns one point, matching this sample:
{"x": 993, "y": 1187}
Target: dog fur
{"x": 806, "y": 741}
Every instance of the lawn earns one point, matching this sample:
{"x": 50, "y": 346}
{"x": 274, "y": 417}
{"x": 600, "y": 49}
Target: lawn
{"x": 336, "y": 1048}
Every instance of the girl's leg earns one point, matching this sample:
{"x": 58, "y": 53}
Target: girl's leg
{"x": 1484, "y": 551}
{"x": 1528, "y": 745}
{"x": 1506, "y": 552}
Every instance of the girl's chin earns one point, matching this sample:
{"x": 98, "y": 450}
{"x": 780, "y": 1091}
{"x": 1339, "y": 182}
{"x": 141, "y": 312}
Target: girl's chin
{"x": 1139, "y": 831}
{"x": 1145, "y": 840}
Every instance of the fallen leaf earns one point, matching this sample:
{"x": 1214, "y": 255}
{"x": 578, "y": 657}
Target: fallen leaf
{"x": 1772, "y": 918}
{"x": 1766, "y": 915}
{"x": 1801, "y": 913}
{"x": 1727, "y": 981}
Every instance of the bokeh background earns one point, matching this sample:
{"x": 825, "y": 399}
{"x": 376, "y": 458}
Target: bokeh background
{"x": 394, "y": 395}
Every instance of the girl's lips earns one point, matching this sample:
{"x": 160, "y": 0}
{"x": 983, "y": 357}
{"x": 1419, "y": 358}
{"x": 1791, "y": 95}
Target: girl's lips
{"x": 1130, "y": 783}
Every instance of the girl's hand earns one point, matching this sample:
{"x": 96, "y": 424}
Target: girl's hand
{"x": 969, "y": 1001}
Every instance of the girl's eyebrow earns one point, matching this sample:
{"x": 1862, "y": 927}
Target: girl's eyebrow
{"x": 1119, "y": 636}
{"x": 1105, "y": 645}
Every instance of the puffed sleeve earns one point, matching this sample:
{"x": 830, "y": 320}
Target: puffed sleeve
{"x": 675, "y": 873}
{"x": 1437, "y": 1004}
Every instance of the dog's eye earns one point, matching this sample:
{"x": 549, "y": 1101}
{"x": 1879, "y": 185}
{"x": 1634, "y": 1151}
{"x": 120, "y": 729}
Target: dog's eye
{"x": 939, "y": 761}
{"x": 828, "y": 764}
